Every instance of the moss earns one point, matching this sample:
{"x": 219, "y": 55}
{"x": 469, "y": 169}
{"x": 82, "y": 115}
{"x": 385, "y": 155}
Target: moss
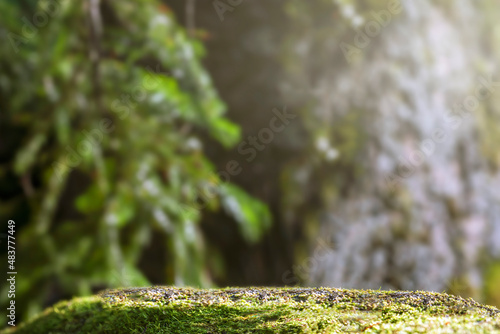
{"x": 264, "y": 310}
{"x": 492, "y": 277}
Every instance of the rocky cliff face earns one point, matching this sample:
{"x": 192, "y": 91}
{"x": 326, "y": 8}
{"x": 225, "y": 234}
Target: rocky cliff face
{"x": 412, "y": 200}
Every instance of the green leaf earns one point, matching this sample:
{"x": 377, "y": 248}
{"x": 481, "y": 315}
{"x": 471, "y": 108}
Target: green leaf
{"x": 225, "y": 131}
{"x": 90, "y": 201}
{"x": 62, "y": 125}
{"x": 26, "y": 156}
{"x": 252, "y": 215}
{"x": 121, "y": 209}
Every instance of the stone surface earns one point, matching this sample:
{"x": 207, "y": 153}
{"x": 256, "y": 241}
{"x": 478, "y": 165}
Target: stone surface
{"x": 264, "y": 310}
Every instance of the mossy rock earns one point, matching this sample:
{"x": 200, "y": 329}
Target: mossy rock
{"x": 264, "y": 310}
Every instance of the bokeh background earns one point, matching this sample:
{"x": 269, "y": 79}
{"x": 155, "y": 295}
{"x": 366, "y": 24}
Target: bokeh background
{"x": 345, "y": 143}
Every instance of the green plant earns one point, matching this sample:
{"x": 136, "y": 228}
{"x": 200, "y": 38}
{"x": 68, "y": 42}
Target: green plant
{"x": 106, "y": 104}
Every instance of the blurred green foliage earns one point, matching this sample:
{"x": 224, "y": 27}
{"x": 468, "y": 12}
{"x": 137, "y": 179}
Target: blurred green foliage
{"x": 105, "y": 112}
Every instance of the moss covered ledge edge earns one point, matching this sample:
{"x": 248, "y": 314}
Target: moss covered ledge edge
{"x": 263, "y": 310}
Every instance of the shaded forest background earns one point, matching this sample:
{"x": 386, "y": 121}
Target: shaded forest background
{"x": 122, "y": 126}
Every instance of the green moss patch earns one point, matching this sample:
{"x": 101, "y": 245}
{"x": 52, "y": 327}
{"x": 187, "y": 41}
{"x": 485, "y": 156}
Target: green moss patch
{"x": 264, "y": 310}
